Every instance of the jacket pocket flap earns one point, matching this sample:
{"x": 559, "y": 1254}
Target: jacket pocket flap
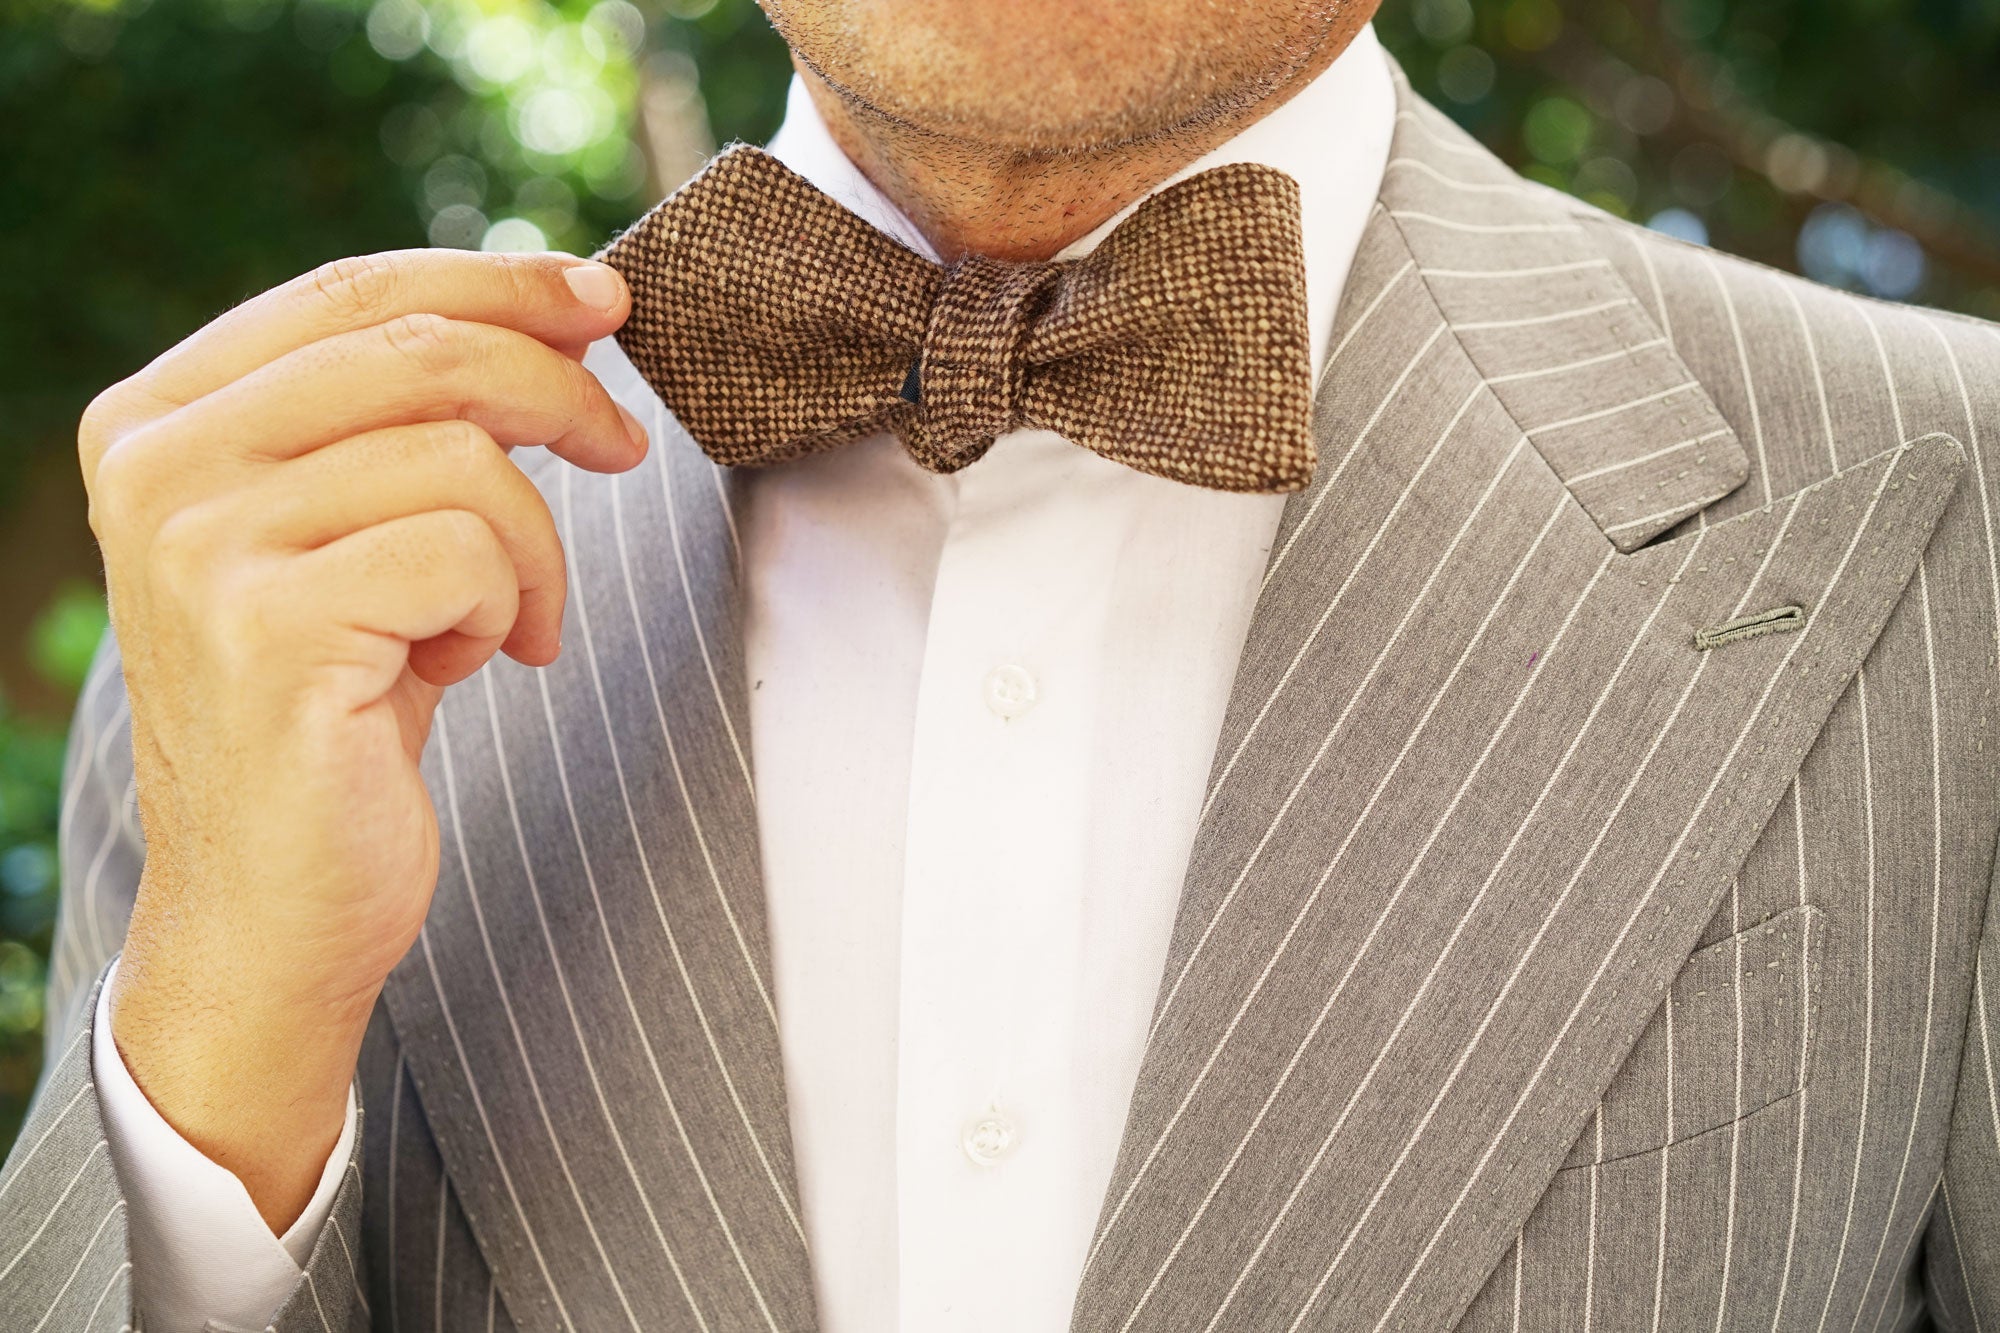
{"x": 1734, "y": 1035}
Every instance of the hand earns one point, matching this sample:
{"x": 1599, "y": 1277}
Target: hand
{"x": 310, "y": 526}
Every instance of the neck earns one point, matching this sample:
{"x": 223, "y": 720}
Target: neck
{"x": 969, "y": 196}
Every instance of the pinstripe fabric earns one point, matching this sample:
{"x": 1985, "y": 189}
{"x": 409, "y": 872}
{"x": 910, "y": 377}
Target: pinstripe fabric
{"x": 1535, "y": 970}
{"x": 62, "y": 1213}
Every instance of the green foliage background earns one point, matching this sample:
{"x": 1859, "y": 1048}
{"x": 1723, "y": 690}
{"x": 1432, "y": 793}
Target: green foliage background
{"x": 163, "y": 159}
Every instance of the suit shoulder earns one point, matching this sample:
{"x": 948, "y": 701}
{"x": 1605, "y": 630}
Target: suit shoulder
{"x": 1811, "y": 379}
{"x": 1714, "y": 294}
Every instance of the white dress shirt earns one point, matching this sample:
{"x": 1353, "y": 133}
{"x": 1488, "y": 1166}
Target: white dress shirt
{"x": 982, "y": 713}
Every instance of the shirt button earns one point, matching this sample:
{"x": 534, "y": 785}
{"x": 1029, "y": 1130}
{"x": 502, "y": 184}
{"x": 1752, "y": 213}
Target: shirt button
{"x": 988, "y": 1138}
{"x": 1010, "y": 690}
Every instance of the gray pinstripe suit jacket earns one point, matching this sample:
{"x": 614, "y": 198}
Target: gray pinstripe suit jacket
{"x": 1534, "y": 969}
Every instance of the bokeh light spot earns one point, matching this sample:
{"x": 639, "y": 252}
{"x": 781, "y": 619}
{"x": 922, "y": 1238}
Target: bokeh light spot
{"x": 453, "y": 180}
{"x": 1558, "y": 130}
{"x": 1645, "y": 104}
{"x": 28, "y": 870}
{"x": 1443, "y": 22}
{"x": 21, "y": 980}
{"x": 556, "y": 121}
{"x": 613, "y": 169}
{"x": 1466, "y": 74}
{"x": 1796, "y": 163}
{"x": 1609, "y": 183}
{"x": 621, "y": 22}
{"x": 500, "y": 50}
{"x": 1680, "y": 224}
{"x": 412, "y": 134}
{"x": 1833, "y": 244}
{"x": 573, "y": 53}
{"x": 458, "y": 227}
{"x": 1893, "y": 265}
{"x": 1692, "y": 20}
{"x": 398, "y": 29}
{"x": 514, "y": 235}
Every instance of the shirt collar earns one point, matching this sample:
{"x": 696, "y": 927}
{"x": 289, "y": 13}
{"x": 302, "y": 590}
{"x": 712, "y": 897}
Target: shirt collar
{"x": 1332, "y": 137}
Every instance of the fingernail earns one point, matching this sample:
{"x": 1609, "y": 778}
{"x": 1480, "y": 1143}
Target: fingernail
{"x": 632, "y": 426}
{"x": 596, "y": 285}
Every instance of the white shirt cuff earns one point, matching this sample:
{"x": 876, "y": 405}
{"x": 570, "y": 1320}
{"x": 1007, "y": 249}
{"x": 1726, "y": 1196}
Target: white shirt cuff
{"x": 201, "y": 1253}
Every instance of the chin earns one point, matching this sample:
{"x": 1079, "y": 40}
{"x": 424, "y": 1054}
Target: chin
{"x": 1054, "y": 76}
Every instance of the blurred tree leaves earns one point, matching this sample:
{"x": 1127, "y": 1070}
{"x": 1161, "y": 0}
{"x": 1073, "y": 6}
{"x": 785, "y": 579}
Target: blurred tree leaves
{"x": 161, "y": 160}
{"x": 157, "y": 166}
{"x": 743, "y": 65}
{"x": 1855, "y": 140}
{"x": 65, "y": 635}
{"x": 31, "y": 759}
{"x": 61, "y": 643}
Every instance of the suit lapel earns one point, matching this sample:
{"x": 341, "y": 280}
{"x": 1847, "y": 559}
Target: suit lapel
{"x": 1477, "y": 791}
{"x": 588, "y": 1016}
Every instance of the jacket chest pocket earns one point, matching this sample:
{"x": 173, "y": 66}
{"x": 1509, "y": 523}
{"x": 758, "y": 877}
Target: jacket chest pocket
{"x": 1734, "y": 1035}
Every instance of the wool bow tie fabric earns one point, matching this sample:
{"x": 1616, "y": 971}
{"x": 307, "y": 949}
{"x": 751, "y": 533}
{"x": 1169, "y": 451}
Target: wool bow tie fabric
{"x": 775, "y": 323}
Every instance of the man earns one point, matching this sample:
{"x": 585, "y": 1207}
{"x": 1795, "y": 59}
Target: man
{"x": 1502, "y": 842}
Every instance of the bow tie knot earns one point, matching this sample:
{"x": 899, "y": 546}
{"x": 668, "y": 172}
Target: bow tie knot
{"x": 972, "y": 379}
{"x": 775, "y": 323}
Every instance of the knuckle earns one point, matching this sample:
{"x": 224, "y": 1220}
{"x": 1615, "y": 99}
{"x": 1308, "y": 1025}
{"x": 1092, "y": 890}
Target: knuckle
{"x": 540, "y": 549}
{"x": 555, "y": 560}
{"x": 356, "y": 286}
{"x": 107, "y": 514}
{"x": 464, "y": 447}
{"x": 98, "y": 426}
{"x": 585, "y": 399}
{"x": 523, "y": 278}
{"x": 249, "y": 609}
{"x": 431, "y": 343}
{"x": 106, "y": 482}
{"x": 103, "y": 518}
{"x": 466, "y": 533}
{"x": 122, "y": 489}
{"x": 186, "y": 550}
{"x": 114, "y": 414}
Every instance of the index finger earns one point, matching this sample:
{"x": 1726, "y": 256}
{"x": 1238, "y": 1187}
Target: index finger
{"x": 558, "y": 299}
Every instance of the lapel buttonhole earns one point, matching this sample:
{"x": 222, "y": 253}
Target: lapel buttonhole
{"x": 1777, "y": 620}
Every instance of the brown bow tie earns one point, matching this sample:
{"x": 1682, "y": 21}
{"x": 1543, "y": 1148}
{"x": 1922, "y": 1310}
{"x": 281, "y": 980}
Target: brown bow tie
{"x": 775, "y": 323}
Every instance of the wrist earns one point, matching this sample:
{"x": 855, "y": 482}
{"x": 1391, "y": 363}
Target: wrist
{"x": 249, "y": 1061}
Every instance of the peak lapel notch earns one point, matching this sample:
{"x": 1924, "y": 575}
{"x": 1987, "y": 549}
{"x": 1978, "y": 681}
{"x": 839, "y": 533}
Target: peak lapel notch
{"x": 1570, "y": 350}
